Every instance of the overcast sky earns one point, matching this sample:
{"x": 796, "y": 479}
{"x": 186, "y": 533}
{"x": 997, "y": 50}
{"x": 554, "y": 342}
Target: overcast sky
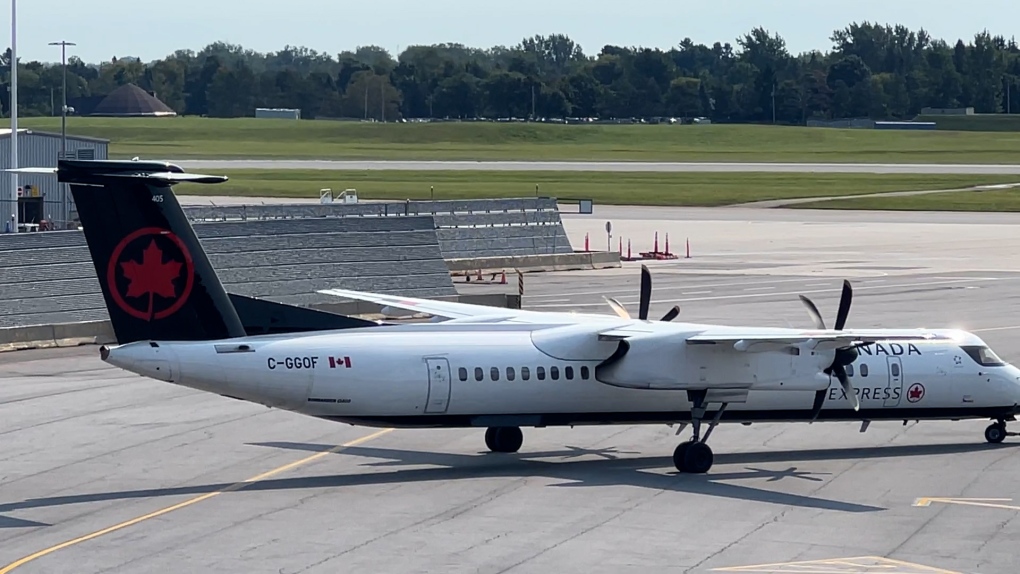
{"x": 106, "y": 28}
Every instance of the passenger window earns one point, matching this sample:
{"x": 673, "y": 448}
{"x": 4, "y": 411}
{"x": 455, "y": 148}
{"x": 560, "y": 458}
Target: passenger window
{"x": 510, "y": 373}
{"x": 895, "y": 370}
{"x": 864, "y": 370}
{"x": 540, "y": 372}
{"x": 479, "y": 374}
{"x": 554, "y": 373}
{"x": 849, "y": 370}
{"x": 463, "y": 373}
{"x": 525, "y": 374}
{"x": 569, "y": 372}
{"x": 584, "y": 373}
{"x": 494, "y": 373}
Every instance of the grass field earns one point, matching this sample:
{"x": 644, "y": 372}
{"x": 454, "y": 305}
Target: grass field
{"x": 685, "y": 189}
{"x": 976, "y": 122}
{"x": 995, "y": 200}
{"x": 190, "y": 137}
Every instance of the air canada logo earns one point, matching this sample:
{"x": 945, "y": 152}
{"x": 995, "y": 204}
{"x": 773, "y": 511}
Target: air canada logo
{"x": 915, "y": 392}
{"x": 150, "y": 274}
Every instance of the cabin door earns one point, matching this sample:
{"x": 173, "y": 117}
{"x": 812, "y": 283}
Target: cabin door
{"x": 895, "y": 388}
{"x": 439, "y": 385}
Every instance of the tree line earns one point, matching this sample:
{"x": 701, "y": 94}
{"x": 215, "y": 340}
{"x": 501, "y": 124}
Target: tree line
{"x": 871, "y": 70}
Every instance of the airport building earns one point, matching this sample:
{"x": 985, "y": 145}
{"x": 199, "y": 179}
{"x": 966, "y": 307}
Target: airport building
{"x": 39, "y": 200}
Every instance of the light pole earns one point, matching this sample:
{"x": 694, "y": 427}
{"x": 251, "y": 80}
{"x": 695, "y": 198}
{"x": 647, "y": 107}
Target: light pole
{"x": 14, "y": 116}
{"x": 63, "y": 108}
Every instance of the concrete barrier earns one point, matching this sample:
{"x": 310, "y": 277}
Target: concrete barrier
{"x": 101, "y": 332}
{"x": 535, "y": 263}
{"x": 56, "y": 335}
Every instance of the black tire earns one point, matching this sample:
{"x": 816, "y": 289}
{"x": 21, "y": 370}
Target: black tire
{"x": 490, "y": 439}
{"x": 507, "y": 439}
{"x": 680, "y": 455}
{"x": 698, "y": 458}
{"x": 995, "y": 433}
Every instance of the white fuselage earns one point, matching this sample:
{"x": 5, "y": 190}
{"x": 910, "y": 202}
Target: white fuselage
{"x": 476, "y": 375}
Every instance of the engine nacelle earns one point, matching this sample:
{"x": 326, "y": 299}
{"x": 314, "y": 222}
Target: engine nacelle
{"x": 649, "y": 362}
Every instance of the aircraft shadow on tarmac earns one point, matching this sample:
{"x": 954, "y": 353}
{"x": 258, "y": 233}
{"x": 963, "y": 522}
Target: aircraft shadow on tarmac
{"x": 607, "y": 469}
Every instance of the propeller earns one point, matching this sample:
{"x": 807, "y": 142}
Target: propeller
{"x": 844, "y": 355}
{"x": 645, "y": 301}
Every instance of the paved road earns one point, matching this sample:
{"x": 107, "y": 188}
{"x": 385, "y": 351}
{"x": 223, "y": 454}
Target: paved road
{"x": 86, "y": 447}
{"x": 678, "y": 167}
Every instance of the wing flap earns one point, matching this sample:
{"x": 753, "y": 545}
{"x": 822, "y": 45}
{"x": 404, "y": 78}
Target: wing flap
{"x": 444, "y": 309}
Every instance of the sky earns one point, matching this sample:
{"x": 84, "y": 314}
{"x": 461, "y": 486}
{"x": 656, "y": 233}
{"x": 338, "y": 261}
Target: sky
{"x": 120, "y": 28}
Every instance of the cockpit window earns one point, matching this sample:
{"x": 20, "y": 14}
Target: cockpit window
{"x": 984, "y": 356}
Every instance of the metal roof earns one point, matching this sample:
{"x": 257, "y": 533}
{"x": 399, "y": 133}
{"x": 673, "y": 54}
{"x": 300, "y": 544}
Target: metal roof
{"x": 6, "y": 133}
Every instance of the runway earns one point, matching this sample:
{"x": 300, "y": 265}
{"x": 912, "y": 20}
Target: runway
{"x": 620, "y": 166}
{"x": 107, "y": 472}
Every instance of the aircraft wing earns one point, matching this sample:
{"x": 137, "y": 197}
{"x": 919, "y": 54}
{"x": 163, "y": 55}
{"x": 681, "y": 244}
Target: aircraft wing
{"x": 764, "y": 340}
{"x": 827, "y": 340}
{"x": 444, "y": 309}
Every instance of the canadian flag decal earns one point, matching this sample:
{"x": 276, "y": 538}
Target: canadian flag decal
{"x": 335, "y": 362}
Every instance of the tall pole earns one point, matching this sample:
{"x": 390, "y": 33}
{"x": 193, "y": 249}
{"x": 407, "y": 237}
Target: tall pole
{"x": 63, "y": 109}
{"x": 14, "y": 115}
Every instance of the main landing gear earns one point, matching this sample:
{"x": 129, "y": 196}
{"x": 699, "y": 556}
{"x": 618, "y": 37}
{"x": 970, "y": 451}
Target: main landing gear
{"x": 695, "y": 456}
{"x": 996, "y": 432}
{"x": 504, "y": 439}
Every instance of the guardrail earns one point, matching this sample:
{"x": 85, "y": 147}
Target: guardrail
{"x": 374, "y": 209}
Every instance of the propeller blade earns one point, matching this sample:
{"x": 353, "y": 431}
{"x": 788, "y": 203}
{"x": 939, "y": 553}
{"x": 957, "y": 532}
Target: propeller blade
{"x": 646, "y": 293}
{"x": 819, "y": 401}
{"x": 840, "y": 373}
{"x": 669, "y": 316}
{"x": 813, "y": 311}
{"x": 844, "y": 305}
{"x": 618, "y": 308}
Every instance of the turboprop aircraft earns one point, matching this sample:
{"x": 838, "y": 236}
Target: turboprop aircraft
{"x": 498, "y": 369}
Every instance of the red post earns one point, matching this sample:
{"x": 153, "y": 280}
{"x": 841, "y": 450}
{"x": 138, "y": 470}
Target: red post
{"x": 628, "y": 249}
{"x": 621, "y": 246}
{"x": 586, "y": 242}
{"x": 656, "y": 250}
{"x": 667, "y": 244}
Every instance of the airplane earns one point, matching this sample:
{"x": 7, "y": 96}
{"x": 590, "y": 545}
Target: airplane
{"x": 475, "y": 366}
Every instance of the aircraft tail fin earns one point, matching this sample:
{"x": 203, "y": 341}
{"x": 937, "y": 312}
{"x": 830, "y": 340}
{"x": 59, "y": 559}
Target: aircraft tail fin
{"x": 156, "y": 279}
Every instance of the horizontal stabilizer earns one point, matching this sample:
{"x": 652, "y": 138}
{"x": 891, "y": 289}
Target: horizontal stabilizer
{"x": 42, "y": 170}
{"x": 171, "y": 177}
{"x": 94, "y": 171}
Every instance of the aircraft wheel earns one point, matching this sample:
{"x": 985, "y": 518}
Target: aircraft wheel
{"x": 680, "y": 456}
{"x": 698, "y": 458}
{"x": 504, "y": 439}
{"x": 995, "y": 433}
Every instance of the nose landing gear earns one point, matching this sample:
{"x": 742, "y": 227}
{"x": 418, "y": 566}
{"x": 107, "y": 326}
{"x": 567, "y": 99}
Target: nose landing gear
{"x": 996, "y": 432}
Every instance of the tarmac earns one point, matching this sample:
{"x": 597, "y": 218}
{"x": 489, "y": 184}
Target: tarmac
{"x": 103, "y": 471}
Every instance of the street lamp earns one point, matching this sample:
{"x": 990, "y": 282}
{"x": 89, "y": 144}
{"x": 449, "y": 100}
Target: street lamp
{"x": 63, "y": 109}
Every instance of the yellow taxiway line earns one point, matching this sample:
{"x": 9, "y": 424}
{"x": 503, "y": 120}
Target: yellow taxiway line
{"x": 984, "y": 502}
{"x": 186, "y": 503}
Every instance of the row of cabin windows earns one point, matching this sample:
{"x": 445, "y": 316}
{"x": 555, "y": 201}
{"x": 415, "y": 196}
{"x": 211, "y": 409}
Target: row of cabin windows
{"x": 525, "y": 372}
{"x": 864, "y": 370}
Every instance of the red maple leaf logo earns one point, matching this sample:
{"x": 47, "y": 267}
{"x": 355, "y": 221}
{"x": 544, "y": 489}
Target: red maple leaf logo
{"x": 152, "y": 276}
{"x": 915, "y": 392}
{"x": 171, "y": 280}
